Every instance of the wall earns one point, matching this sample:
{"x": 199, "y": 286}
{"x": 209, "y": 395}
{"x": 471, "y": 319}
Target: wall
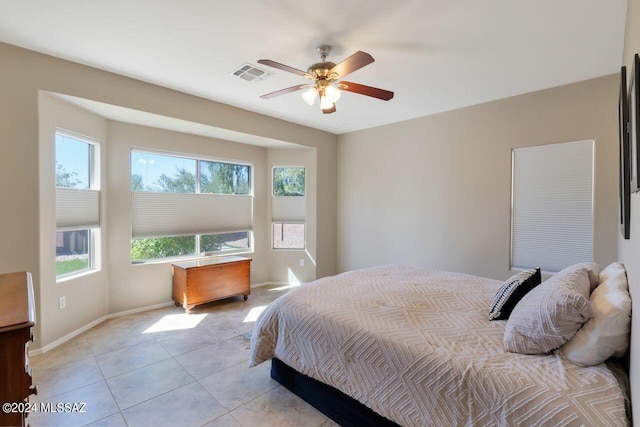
{"x": 436, "y": 191}
{"x": 25, "y": 73}
{"x": 133, "y": 286}
{"x": 285, "y": 264}
{"x": 86, "y": 295}
{"x": 629, "y": 250}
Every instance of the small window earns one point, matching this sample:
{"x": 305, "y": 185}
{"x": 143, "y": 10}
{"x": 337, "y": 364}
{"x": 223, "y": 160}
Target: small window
{"x": 288, "y": 236}
{"x": 73, "y": 163}
{"x": 162, "y": 247}
{"x": 73, "y": 249}
{"x": 288, "y": 181}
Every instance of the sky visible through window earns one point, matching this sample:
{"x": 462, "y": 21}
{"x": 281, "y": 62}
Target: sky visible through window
{"x": 151, "y": 166}
{"x": 72, "y": 158}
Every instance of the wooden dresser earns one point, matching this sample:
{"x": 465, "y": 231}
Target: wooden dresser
{"x": 17, "y": 317}
{"x": 199, "y": 282}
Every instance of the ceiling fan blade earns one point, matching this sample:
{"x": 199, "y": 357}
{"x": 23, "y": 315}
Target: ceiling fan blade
{"x": 329, "y": 110}
{"x": 366, "y": 90}
{"x": 352, "y": 63}
{"x": 283, "y": 67}
{"x": 284, "y": 91}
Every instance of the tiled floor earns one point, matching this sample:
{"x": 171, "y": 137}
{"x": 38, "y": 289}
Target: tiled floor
{"x": 164, "y": 368}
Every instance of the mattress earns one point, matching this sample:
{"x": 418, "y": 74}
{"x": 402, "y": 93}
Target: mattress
{"x": 416, "y": 346}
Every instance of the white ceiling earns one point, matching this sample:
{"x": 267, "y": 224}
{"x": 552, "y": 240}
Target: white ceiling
{"x": 436, "y": 55}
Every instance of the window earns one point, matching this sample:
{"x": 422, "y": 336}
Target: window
{"x": 288, "y": 208}
{"x": 288, "y": 181}
{"x": 552, "y": 206}
{"x": 288, "y": 236}
{"x": 77, "y": 202}
{"x": 188, "y": 207}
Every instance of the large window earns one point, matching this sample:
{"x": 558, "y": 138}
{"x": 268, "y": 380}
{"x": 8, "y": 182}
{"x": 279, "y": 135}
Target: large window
{"x": 288, "y": 208}
{"x": 552, "y": 206}
{"x": 77, "y": 202}
{"x": 185, "y": 206}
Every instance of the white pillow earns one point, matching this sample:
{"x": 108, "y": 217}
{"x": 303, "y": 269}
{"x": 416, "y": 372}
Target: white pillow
{"x": 606, "y": 334}
{"x": 550, "y": 314}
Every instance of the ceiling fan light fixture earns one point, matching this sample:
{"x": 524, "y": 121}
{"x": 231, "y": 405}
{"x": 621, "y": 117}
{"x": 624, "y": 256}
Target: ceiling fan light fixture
{"x": 326, "y": 103}
{"x": 332, "y": 94}
{"x": 309, "y": 96}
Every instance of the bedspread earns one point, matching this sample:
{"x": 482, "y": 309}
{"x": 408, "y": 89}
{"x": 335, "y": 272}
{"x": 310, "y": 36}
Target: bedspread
{"x": 416, "y": 346}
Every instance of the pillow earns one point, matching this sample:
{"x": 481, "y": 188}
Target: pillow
{"x": 606, "y": 334}
{"x": 550, "y": 314}
{"x": 512, "y": 291}
{"x": 593, "y": 269}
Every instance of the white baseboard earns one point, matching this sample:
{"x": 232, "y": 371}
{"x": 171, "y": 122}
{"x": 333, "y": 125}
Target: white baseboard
{"x": 96, "y": 322}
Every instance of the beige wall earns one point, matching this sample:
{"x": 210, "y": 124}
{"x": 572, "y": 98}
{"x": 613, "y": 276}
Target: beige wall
{"x": 435, "y": 191}
{"x": 629, "y": 250}
{"x": 25, "y": 73}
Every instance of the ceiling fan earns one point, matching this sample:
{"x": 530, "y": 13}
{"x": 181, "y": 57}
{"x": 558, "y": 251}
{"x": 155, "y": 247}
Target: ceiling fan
{"x": 326, "y": 80}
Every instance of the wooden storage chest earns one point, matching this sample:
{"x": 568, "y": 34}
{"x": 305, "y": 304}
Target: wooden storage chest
{"x": 199, "y": 282}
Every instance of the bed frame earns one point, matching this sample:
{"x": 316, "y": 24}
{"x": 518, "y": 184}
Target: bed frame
{"x": 341, "y": 408}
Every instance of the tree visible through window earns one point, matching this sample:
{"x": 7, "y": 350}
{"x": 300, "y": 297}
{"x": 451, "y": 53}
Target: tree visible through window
{"x": 288, "y": 181}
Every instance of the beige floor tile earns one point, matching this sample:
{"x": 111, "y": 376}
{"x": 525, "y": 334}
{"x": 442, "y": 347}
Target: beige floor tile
{"x": 224, "y": 421}
{"x": 117, "y": 339}
{"x": 212, "y": 358}
{"x": 62, "y": 379}
{"x": 278, "y": 407}
{"x": 76, "y": 349}
{"x": 181, "y": 342}
{"x": 114, "y": 420}
{"x": 128, "y": 359}
{"x": 98, "y": 402}
{"x": 186, "y": 406}
{"x": 238, "y": 385}
{"x": 146, "y": 383}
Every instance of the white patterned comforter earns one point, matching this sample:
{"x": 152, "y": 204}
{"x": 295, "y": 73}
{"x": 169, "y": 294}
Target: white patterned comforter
{"x": 416, "y": 346}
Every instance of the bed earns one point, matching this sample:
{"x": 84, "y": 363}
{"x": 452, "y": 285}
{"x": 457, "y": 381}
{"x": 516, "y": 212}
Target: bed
{"x": 414, "y": 346}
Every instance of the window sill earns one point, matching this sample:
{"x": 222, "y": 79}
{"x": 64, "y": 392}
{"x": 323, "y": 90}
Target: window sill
{"x": 189, "y": 258}
{"x": 73, "y": 276}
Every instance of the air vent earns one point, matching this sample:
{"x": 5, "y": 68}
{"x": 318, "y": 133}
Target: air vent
{"x": 250, "y": 73}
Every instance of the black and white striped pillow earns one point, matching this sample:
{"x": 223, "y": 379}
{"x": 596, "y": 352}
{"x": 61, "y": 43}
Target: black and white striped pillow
{"x": 512, "y": 291}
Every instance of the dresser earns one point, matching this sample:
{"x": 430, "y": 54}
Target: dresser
{"x": 202, "y": 281}
{"x": 17, "y": 317}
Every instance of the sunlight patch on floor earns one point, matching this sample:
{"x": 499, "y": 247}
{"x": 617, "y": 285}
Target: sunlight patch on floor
{"x": 175, "y": 322}
{"x": 253, "y": 314}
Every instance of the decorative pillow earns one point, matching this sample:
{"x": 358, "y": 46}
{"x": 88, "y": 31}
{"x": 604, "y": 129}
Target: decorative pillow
{"x": 550, "y": 314}
{"x": 593, "y": 269}
{"x": 606, "y": 334}
{"x": 512, "y": 291}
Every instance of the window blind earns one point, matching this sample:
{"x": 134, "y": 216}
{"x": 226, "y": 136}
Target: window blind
{"x": 77, "y": 209}
{"x": 177, "y": 214}
{"x": 288, "y": 209}
{"x": 552, "y": 206}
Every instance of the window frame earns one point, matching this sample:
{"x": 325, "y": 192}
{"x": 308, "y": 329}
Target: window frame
{"x": 198, "y": 174}
{"x": 94, "y": 185}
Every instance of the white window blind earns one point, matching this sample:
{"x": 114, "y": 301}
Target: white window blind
{"x": 175, "y": 214}
{"x": 288, "y": 209}
{"x": 552, "y": 206}
{"x": 77, "y": 209}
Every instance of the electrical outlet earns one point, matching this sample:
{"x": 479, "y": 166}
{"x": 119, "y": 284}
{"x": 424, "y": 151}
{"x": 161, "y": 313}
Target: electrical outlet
{"x": 302, "y": 262}
{"x": 62, "y": 302}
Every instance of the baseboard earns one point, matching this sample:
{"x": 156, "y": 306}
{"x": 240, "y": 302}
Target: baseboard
{"x": 90, "y": 325}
